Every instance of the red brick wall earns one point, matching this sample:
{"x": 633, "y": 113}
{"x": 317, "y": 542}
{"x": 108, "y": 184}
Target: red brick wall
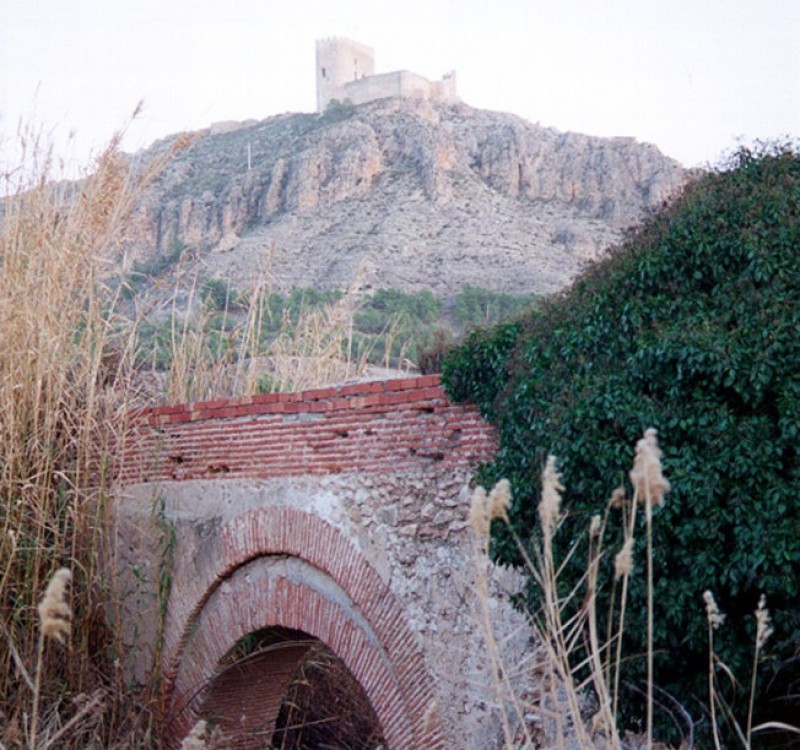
{"x": 392, "y": 425}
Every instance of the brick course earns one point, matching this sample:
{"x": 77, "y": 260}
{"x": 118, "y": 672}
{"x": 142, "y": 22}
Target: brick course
{"x": 392, "y": 672}
{"x": 364, "y": 428}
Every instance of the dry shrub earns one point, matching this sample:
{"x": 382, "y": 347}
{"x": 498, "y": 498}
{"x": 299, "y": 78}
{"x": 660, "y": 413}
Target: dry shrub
{"x": 429, "y": 359}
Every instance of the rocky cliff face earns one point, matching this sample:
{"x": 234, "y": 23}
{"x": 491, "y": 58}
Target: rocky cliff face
{"x": 415, "y": 194}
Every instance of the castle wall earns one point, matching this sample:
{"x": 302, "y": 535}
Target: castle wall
{"x": 445, "y": 90}
{"x": 346, "y": 71}
{"x": 400, "y": 83}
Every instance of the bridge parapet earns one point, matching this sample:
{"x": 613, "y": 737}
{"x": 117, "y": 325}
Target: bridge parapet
{"x": 364, "y": 428}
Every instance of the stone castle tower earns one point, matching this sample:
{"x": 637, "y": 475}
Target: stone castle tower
{"x": 346, "y": 72}
{"x": 340, "y": 61}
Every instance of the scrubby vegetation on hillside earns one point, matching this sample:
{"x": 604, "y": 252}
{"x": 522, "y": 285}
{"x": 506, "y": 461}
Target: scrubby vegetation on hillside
{"x": 690, "y": 327}
{"x": 389, "y": 327}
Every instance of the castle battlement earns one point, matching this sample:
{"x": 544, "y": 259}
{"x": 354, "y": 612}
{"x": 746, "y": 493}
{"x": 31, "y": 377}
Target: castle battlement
{"x": 346, "y": 72}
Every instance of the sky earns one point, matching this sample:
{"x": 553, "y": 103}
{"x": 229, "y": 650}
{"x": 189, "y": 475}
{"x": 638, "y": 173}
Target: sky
{"x": 694, "y": 77}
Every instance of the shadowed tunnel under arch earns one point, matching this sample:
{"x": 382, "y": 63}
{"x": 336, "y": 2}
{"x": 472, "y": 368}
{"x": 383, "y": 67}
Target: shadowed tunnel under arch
{"x": 286, "y": 688}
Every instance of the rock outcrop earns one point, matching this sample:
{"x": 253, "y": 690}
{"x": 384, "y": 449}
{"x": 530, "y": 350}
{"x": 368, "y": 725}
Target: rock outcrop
{"x": 421, "y": 195}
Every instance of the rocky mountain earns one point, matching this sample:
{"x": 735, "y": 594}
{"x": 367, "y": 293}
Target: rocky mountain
{"x": 416, "y": 195}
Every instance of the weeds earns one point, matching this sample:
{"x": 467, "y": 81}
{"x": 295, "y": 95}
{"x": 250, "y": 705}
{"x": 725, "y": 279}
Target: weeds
{"x": 319, "y": 349}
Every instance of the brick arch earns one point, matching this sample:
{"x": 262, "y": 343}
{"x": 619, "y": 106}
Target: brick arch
{"x": 284, "y": 567}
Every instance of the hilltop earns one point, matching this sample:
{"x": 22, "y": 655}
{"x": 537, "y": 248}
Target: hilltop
{"x": 419, "y": 195}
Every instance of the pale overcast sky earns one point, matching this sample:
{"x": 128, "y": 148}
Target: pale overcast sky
{"x": 692, "y": 76}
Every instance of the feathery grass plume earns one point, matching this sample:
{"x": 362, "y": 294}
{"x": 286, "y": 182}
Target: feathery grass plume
{"x": 618, "y": 499}
{"x": 550, "y": 504}
{"x": 54, "y": 622}
{"x": 763, "y": 622}
{"x": 499, "y": 501}
{"x": 649, "y": 488}
{"x": 763, "y": 632}
{"x": 55, "y": 614}
{"x": 648, "y": 482}
{"x": 623, "y": 562}
{"x": 478, "y": 513}
{"x": 715, "y": 617}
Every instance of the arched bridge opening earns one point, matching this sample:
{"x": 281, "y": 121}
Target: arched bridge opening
{"x": 281, "y": 570}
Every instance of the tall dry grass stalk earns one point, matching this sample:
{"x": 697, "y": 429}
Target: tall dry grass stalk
{"x": 484, "y": 508}
{"x": 582, "y": 666}
{"x": 649, "y": 488}
{"x": 205, "y": 363}
{"x": 316, "y": 351}
{"x": 715, "y": 620}
{"x": 578, "y": 663}
{"x": 65, "y": 391}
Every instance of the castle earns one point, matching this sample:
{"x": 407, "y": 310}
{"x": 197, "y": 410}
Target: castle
{"x": 346, "y": 72}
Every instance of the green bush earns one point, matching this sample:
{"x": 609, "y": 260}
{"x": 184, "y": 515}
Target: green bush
{"x": 217, "y": 294}
{"x": 475, "y": 306}
{"x": 691, "y": 327}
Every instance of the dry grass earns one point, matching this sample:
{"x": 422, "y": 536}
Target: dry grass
{"x": 67, "y": 388}
{"x": 319, "y": 351}
{"x": 65, "y": 393}
{"x": 204, "y": 362}
{"x": 326, "y": 707}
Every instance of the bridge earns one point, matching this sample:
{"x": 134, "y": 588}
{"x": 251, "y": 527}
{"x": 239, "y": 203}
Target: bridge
{"x": 253, "y": 532}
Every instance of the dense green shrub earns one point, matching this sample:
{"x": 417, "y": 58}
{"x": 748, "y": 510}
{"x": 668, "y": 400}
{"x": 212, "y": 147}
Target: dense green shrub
{"x": 691, "y": 327}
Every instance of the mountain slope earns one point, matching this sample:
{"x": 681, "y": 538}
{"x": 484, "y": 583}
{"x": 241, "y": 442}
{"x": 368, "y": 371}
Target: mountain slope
{"x": 417, "y": 195}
